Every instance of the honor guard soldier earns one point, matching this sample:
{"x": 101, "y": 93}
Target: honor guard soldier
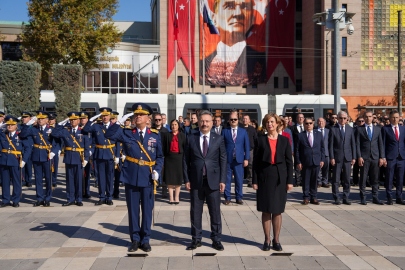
{"x": 55, "y": 163}
{"x": 117, "y": 171}
{"x": 43, "y": 152}
{"x": 13, "y": 157}
{"x": 140, "y": 171}
{"x": 77, "y": 147}
{"x": 84, "y": 118}
{"x": 27, "y": 170}
{"x": 105, "y": 155}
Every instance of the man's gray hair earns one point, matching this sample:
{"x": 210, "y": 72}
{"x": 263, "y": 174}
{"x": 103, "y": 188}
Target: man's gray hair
{"x": 342, "y": 113}
{"x": 204, "y": 112}
{"x": 308, "y": 118}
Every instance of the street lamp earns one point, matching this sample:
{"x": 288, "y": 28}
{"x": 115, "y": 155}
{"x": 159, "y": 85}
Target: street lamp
{"x": 336, "y": 20}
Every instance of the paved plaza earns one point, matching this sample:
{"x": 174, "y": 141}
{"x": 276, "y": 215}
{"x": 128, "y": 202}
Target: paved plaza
{"x": 95, "y": 237}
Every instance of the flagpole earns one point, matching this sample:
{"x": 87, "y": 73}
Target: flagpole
{"x": 175, "y": 50}
{"x": 189, "y": 48}
{"x": 203, "y": 71}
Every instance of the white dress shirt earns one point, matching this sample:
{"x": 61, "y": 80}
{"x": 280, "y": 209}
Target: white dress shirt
{"x": 143, "y": 132}
{"x": 371, "y": 128}
{"x": 217, "y": 130}
{"x": 393, "y": 129}
{"x": 322, "y": 131}
{"x": 300, "y": 128}
{"x": 202, "y": 140}
{"x": 11, "y": 135}
{"x": 344, "y": 127}
{"x": 74, "y": 130}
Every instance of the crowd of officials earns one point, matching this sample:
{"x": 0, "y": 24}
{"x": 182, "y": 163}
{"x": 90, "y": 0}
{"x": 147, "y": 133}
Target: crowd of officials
{"x": 204, "y": 152}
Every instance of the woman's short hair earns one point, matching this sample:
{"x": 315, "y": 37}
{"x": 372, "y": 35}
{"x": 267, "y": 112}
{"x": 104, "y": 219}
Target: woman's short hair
{"x": 275, "y": 116}
{"x": 175, "y": 120}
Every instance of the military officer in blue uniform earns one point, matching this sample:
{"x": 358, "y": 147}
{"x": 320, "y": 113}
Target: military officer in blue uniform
{"x": 27, "y": 170}
{"x": 55, "y": 163}
{"x": 140, "y": 171}
{"x": 117, "y": 171}
{"x": 2, "y": 115}
{"x": 84, "y": 118}
{"x": 43, "y": 152}
{"x": 13, "y": 157}
{"x": 77, "y": 147}
{"x": 105, "y": 155}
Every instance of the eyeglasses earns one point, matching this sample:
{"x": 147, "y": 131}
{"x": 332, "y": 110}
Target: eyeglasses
{"x": 308, "y": 123}
{"x": 334, "y": 117}
{"x": 342, "y": 118}
{"x": 158, "y": 119}
{"x": 233, "y": 119}
{"x": 375, "y": 117}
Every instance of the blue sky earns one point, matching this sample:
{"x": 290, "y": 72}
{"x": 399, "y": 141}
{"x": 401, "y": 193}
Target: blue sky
{"x": 129, "y": 10}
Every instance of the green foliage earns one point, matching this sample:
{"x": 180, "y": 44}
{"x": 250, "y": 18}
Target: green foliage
{"x": 67, "y": 83}
{"x": 69, "y": 31}
{"x": 20, "y": 82}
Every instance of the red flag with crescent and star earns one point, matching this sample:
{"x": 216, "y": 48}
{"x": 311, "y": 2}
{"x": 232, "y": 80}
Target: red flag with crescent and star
{"x": 281, "y": 37}
{"x": 178, "y": 30}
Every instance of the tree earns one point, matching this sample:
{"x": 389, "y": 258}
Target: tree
{"x": 67, "y": 82}
{"x": 69, "y": 32}
{"x": 19, "y": 82}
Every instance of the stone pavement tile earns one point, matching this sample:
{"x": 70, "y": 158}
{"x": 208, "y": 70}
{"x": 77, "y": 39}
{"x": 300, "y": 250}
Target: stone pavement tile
{"x": 303, "y": 250}
{"x": 66, "y": 252}
{"x": 305, "y": 240}
{"x": 276, "y": 262}
{"x": 54, "y": 242}
{"x": 202, "y": 262}
{"x": 305, "y": 262}
{"x": 255, "y": 262}
{"x": 339, "y": 250}
{"x": 180, "y": 263}
{"x": 155, "y": 263}
{"x": 398, "y": 261}
{"x": 249, "y": 250}
{"x": 81, "y": 263}
{"x": 9, "y": 264}
{"x": 133, "y": 263}
{"x": 355, "y": 262}
{"x": 30, "y": 264}
{"x": 330, "y": 262}
{"x": 390, "y": 241}
{"x": 105, "y": 263}
{"x": 370, "y": 241}
{"x": 389, "y": 251}
{"x": 230, "y": 263}
{"x": 380, "y": 263}
{"x": 170, "y": 251}
{"x": 55, "y": 264}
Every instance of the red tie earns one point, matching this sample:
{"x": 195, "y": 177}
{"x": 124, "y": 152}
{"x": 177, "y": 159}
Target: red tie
{"x": 396, "y": 133}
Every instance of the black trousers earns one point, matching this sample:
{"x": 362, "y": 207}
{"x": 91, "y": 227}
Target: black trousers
{"x": 370, "y": 168}
{"x": 309, "y": 181}
{"x": 198, "y": 196}
{"x": 356, "y": 170}
{"x": 341, "y": 169}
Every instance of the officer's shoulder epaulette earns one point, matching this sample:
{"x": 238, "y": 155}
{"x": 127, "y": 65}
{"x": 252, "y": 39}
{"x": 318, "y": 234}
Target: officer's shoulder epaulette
{"x": 122, "y": 126}
{"x": 128, "y": 127}
{"x": 67, "y": 127}
{"x": 154, "y": 130}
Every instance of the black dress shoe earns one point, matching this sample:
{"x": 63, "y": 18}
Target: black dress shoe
{"x": 95, "y": 185}
{"x": 79, "y": 203}
{"x": 54, "y": 185}
{"x": 29, "y": 185}
{"x": 389, "y": 202}
{"x": 194, "y": 244}
{"x": 5, "y": 204}
{"x": 16, "y": 205}
{"x": 47, "y": 203}
{"x": 134, "y": 246}
{"x": 109, "y": 202}
{"x": 217, "y": 245}
{"x": 399, "y": 201}
{"x": 363, "y": 202}
{"x": 116, "y": 197}
{"x": 146, "y": 247}
{"x": 86, "y": 196}
{"x": 68, "y": 204}
{"x": 239, "y": 202}
{"x": 249, "y": 185}
{"x": 337, "y": 202}
{"x": 347, "y": 202}
{"x": 38, "y": 203}
{"x": 100, "y": 202}
{"x": 176, "y": 203}
{"x": 277, "y": 246}
{"x": 227, "y": 202}
{"x": 121, "y": 184}
{"x": 266, "y": 246}
{"x": 377, "y": 201}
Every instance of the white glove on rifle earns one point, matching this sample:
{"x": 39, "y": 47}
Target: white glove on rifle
{"x": 59, "y": 153}
{"x": 2, "y": 125}
{"x": 63, "y": 122}
{"x": 123, "y": 157}
{"x": 117, "y": 160}
{"x": 90, "y": 153}
{"x": 95, "y": 117}
{"x": 51, "y": 155}
{"x": 19, "y": 118}
{"x": 32, "y": 121}
{"x": 22, "y": 164}
{"x": 124, "y": 118}
{"x": 85, "y": 163}
{"x": 155, "y": 175}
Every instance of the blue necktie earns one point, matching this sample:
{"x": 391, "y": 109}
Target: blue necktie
{"x": 369, "y": 133}
{"x": 343, "y": 132}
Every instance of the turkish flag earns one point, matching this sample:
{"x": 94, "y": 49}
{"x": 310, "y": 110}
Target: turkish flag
{"x": 178, "y": 29}
{"x": 281, "y": 37}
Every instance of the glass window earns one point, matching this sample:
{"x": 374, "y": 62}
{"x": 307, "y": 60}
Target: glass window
{"x": 298, "y": 31}
{"x": 179, "y": 81}
{"x": 97, "y": 80}
{"x": 122, "y": 79}
{"x": 130, "y": 82}
{"x": 285, "y": 82}
{"x": 145, "y": 81}
{"x": 298, "y": 86}
{"x": 298, "y": 59}
{"x": 105, "y": 82}
{"x": 344, "y": 79}
{"x": 154, "y": 81}
{"x": 11, "y": 51}
{"x": 344, "y": 46}
{"x": 89, "y": 82}
{"x": 298, "y": 5}
{"x": 114, "y": 82}
{"x": 275, "y": 82}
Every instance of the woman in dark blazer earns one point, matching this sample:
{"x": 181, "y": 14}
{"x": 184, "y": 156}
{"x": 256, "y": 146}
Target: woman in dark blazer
{"x": 172, "y": 146}
{"x": 272, "y": 177}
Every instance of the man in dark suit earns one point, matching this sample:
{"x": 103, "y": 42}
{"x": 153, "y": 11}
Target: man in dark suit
{"x": 186, "y": 127}
{"x": 356, "y": 168}
{"x": 370, "y": 155}
{"x": 204, "y": 170}
{"x": 296, "y": 129}
{"x": 323, "y": 176}
{"x": 237, "y": 149}
{"x": 217, "y": 128}
{"x": 394, "y": 144}
{"x": 309, "y": 156}
{"x": 332, "y": 121}
{"x": 342, "y": 153}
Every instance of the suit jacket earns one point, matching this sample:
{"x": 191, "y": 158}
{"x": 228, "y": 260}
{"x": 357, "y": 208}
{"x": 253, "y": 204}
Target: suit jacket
{"x": 307, "y": 155}
{"x": 393, "y": 147}
{"x": 214, "y": 161}
{"x": 295, "y": 131}
{"x": 220, "y": 129}
{"x": 342, "y": 149}
{"x": 186, "y": 130}
{"x": 167, "y": 138}
{"x": 325, "y": 140}
{"x": 289, "y": 132}
{"x": 367, "y": 149}
{"x": 241, "y": 146}
{"x": 262, "y": 161}
{"x": 252, "y": 133}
